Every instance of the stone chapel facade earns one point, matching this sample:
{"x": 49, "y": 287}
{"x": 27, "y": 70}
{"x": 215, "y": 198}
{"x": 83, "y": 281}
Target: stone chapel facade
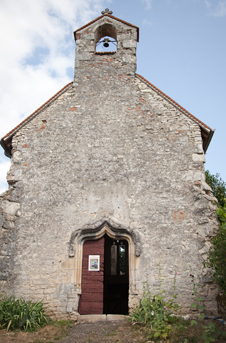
{"x": 106, "y": 183}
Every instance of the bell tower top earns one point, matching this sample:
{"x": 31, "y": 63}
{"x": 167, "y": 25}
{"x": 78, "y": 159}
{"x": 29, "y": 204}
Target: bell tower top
{"x": 106, "y": 35}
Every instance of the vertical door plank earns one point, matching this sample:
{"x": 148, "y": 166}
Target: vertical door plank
{"x": 91, "y": 300}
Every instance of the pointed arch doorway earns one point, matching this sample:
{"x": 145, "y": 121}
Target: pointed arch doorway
{"x": 82, "y": 248}
{"x": 105, "y": 276}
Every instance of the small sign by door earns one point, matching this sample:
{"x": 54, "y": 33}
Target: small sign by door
{"x": 94, "y": 262}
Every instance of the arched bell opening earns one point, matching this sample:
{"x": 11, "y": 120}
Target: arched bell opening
{"x": 114, "y": 249}
{"x": 105, "y": 38}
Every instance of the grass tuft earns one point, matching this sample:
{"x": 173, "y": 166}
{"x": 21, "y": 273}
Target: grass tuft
{"x": 21, "y": 314}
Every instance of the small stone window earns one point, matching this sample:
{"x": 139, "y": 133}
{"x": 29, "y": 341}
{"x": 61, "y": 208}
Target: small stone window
{"x": 105, "y": 39}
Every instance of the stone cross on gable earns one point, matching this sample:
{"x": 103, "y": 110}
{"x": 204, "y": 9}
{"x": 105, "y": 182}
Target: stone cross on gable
{"x": 106, "y": 11}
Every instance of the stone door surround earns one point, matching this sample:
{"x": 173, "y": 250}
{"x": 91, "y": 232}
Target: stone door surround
{"x": 96, "y": 231}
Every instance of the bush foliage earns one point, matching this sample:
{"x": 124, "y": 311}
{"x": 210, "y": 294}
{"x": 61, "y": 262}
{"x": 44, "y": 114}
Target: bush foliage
{"x": 217, "y": 254}
{"x": 154, "y": 312}
{"x": 161, "y": 320}
{"x": 218, "y": 186}
{"x": 21, "y": 314}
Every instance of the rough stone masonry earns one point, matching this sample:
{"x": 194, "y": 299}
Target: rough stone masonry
{"x": 108, "y": 148}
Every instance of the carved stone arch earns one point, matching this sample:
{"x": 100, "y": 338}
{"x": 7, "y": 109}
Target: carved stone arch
{"x": 103, "y": 31}
{"x": 96, "y": 231}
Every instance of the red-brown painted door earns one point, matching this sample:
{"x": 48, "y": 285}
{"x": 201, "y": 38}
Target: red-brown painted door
{"x": 91, "y": 300}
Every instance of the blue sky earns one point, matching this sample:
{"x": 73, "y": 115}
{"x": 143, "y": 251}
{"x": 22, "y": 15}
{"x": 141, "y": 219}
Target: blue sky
{"x": 182, "y": 51}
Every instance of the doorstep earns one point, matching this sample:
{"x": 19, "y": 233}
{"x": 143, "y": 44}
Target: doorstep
{"x": 100, "y": 317}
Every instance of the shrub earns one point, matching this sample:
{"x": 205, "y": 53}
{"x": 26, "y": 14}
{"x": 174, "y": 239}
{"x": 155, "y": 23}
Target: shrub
{"x": 218, "y": 186}
{"x": 217, "y": 254}
{"x": 21, "y": 314}
{"x": 156, "y": 313}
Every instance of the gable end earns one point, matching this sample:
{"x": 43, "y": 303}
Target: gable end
{"x": 77, "y": 34}
{"x": 6, "y": 141}
{"x": 206, "y": 131}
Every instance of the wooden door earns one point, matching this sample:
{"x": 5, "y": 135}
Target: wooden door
{"x": 91, "y": 300}
{"x": 116, "y": 276}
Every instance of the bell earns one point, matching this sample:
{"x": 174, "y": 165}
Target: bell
{"x": 106, "y": 44}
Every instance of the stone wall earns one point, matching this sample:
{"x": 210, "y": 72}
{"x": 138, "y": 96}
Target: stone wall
{"x": 9, "y": 214}
{"x": 109, "y": 147}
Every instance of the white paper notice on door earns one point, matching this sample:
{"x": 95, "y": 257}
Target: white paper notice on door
{"x": 94, "y": 263}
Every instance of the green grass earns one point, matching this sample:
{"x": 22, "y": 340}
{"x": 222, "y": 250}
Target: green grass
{"x": 111, "y": 333}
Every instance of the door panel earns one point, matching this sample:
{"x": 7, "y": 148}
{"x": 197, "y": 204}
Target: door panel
{"x": 116, "y": 276}
{"x": 91, "y": 300}
{"x": 106, "y": 290}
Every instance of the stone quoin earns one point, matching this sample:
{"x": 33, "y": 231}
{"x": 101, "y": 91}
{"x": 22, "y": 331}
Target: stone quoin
{"x": 106, "y": 183}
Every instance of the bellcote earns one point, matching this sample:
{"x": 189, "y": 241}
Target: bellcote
{"x": 106, "y": 35}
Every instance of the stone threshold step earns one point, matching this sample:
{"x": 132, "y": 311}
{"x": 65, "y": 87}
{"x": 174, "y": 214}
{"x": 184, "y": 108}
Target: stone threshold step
{"x": 100, "y": 317}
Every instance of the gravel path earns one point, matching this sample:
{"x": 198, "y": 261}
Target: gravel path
{"x": 103, "y": 332}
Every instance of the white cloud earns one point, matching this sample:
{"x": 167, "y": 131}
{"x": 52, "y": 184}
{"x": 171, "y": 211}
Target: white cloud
{"x": 4, "y": 168}
{"x": 221, "y": 9}
{"x": 207, "y": 3}
{"x": 147, "y": 22}
{"x": 37, "y": 51}
{"x": 148, "y": 4}
{"x": 216, "y": 9}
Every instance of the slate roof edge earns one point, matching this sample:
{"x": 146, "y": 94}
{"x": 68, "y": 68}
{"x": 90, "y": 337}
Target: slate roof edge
{"x": 6, "y": 138}
{"x": 110, "y": 16}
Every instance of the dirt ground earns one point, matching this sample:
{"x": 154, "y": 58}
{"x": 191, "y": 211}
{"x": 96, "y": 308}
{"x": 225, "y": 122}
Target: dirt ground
{"x": 101, "y": 332}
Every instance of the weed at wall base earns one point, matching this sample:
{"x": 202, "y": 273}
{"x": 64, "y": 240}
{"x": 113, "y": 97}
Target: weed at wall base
{"x": 21, "y": 314}
{"x": 160, "y": 320}
{"x": 155, "y": 313}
